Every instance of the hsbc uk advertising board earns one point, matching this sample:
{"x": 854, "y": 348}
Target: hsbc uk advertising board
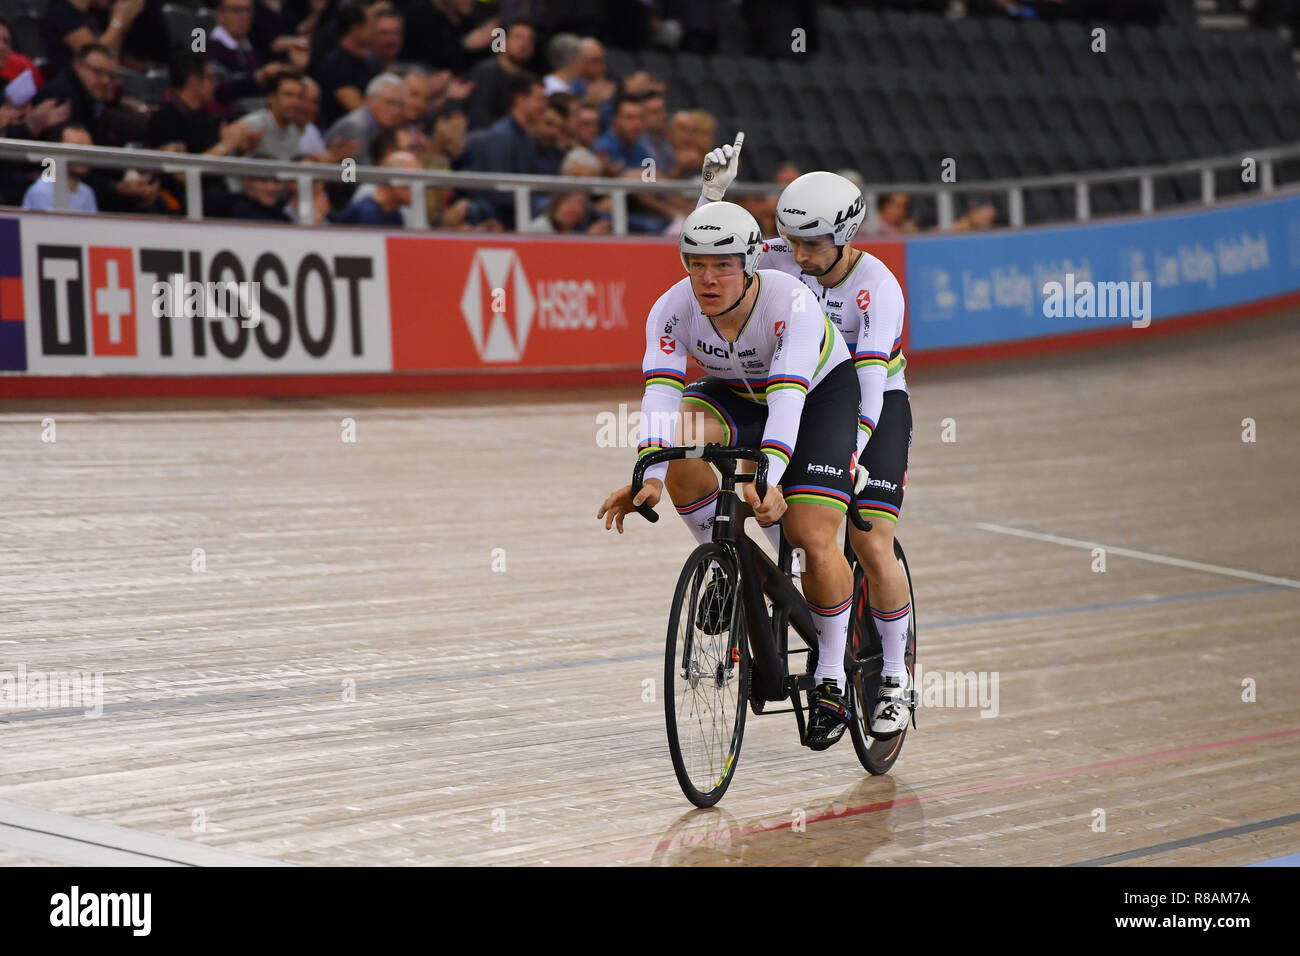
{"x": 121, "y": 297}
{"x": 503, "y": 303}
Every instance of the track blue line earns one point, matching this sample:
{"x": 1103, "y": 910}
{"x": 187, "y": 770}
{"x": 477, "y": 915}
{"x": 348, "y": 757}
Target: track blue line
{"x": 1292, "y": 860}
{"x": 1195, "y": 840}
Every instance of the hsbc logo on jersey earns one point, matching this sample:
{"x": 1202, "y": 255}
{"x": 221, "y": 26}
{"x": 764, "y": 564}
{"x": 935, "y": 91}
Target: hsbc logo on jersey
{"x": 864, "y": 299}
{"x": 667, "y": 344}
{"x": 779, "y": 328}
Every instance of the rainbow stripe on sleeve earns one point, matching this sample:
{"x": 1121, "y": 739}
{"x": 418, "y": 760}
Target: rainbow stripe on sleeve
{"x": 893, "y": 363}
{"x": 666, "y": 376}
{"x": 777, "y": 449}
{"x": 777, "y": 382}
{"x": 649, "y": 445}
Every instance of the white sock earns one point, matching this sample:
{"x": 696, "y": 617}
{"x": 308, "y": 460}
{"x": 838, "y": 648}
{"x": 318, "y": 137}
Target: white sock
{"x": 892, "y": 626}
{"x": 698, "y": 516}
{"x": 773, "y": 532}
{"x": 832, "y": 633}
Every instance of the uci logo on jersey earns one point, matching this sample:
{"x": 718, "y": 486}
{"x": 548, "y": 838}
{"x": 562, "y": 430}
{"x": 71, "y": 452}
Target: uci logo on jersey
{"x": 707, "y": 349}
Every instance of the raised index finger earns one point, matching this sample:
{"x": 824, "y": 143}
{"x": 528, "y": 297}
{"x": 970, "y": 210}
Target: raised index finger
{"x": 740, "y": 141}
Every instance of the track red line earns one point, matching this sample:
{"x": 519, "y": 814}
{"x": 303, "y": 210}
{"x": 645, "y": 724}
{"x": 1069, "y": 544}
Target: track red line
{"x": 647, "y": 849}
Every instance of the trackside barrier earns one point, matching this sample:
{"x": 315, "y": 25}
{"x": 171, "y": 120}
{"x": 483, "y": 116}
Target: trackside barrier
{"x": 110, "y": 305}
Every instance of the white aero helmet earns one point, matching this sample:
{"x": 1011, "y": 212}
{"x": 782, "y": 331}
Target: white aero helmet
{"x": 821, "y": 204}
{"x": 721, "y": 228}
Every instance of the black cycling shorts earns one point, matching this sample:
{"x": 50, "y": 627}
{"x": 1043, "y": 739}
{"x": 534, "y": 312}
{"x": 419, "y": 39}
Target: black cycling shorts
{"x": 885, "y": 459}
{"x": 823, "y": 450}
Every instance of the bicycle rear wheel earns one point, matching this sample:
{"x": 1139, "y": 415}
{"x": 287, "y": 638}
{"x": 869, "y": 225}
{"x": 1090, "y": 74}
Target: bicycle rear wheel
{"x": 877, "y": 756}
{"x": 706, "y": 676}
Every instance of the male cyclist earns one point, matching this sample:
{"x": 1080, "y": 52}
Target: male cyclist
{"x": 817, "y": 216}
{"x": 781, "y": 379}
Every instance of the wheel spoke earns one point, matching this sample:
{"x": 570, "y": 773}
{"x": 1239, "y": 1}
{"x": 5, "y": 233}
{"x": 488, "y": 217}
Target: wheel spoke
{"x": 707, "y": 687}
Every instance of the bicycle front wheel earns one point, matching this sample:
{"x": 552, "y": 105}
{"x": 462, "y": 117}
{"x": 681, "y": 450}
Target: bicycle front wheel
{"x": 706, "y": 675}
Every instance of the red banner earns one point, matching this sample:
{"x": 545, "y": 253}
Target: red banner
{"x": 476, "y": 304}
{"x": 471, "y": 304}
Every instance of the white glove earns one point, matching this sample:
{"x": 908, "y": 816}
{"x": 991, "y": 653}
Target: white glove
{"x": 860, "y": 476}
{"x": 720, "y": 169}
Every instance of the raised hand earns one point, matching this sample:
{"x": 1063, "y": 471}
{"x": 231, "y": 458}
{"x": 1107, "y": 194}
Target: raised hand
{"x": 720, "y": 167}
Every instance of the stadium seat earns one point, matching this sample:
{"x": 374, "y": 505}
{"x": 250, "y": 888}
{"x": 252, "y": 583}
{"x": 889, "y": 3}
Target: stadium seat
{"x": 925, "y": 211}
{"x": 1110, "y": 199}
{"x": 872, "y": 164}
{"x": 837, "y": 37}
{"x": 948, "y": 47}
{"x": 998, "y": 111}
{"x": 1044, "y": 205}
{"x": 658, "y": 63}
{"x": 1061, "y": 154}
{"x": 693, "y": 65}
{"x": 1149, "y": 55}
{"x": 141, "y": 86}
{"x": 1033, "y": 155}
{"x": 765, "y": 161}
{"x": 180, "y": 22}
{"x": 621, "y": 63}
{"x": 1278, "y": 59}
{"x": 982, "y": 55}
{"x": 907, "y": 166}
{"x": 1074, "y": 46}
{"x": 894, "y": 23}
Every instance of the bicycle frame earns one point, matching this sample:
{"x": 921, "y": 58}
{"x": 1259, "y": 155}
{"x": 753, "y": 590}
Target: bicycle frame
{"x": 770, "y": 678}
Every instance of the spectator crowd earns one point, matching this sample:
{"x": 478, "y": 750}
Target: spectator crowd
{"x": 505, "y": 86}
{"x": 500, "y": 87}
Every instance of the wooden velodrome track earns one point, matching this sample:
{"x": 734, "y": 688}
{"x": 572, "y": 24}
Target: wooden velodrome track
{"x": 351, "y": 682}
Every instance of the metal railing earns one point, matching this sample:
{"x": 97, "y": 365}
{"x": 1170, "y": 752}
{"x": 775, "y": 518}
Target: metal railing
{"x": 192, "y": 167}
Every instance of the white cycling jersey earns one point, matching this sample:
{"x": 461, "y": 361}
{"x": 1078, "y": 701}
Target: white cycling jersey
{"x": 867, "y": 308}
{"x": 784, "y": 349}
